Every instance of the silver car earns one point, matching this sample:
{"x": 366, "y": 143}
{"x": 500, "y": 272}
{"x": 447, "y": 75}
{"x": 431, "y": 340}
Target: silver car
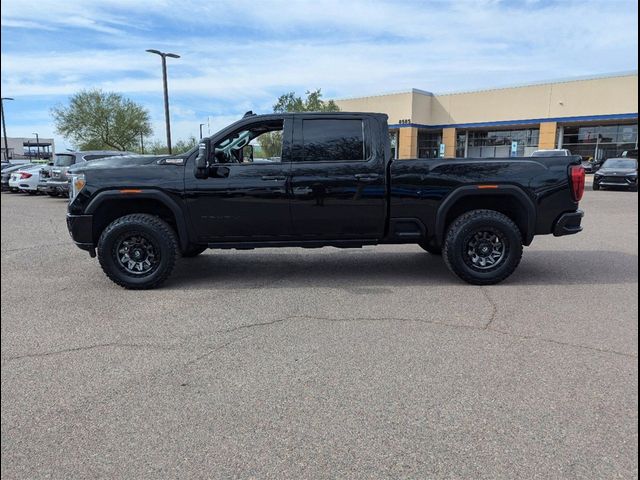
{"x": 54, "y": 180}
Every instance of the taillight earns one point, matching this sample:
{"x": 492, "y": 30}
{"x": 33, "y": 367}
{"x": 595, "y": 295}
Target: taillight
{"x": 576, "y": 173}
{"x": 24, "y": 175}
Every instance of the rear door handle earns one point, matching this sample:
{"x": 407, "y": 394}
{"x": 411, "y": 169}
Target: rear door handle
{"x": 367, "y": 177}
{"x": 273, "y": 177}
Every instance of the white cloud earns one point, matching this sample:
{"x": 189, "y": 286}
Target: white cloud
{"x": 240, "y": 55}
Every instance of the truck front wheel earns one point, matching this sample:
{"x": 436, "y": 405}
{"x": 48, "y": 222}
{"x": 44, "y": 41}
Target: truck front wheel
{"x": 138, "y": 251}
{"x": 483, "y": 247}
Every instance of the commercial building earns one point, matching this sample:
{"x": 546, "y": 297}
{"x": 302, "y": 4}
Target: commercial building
{"x": 594, "y": 117}
{"x": 20, "y": 148}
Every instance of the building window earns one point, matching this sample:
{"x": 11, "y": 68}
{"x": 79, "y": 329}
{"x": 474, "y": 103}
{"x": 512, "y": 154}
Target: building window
{"x": 429, "y": 143}
{"x": 599, "y": 142}
{"x": 497, "y": 143}
{"x": 461, "y": 144}
{"x": 393, "y": 141}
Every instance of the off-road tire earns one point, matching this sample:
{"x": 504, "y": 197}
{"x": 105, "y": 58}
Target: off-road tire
{"x": 462, "y": 230}
{"x": 194, "y": 251}
{"x": 160, "y": 234}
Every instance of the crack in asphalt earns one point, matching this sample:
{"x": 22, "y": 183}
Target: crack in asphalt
{"x": 494, "y": 308}
{"x": 46, "y": 245}
{"x": 220, "y": 347}
{"x": 565, "y": 344}
{"x": 485, "y": 328}
{"x": 84, "y": 348}
{"x": 249, "y": 326}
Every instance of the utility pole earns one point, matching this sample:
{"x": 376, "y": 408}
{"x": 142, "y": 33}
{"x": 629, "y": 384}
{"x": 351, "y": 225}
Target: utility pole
{"x": 37, "y": 146}
{"x": 164, "y": 56}
{"x": 4, "y": 128}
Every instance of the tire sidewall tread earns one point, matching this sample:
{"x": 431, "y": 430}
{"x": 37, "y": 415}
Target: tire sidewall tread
{"x": 468, "y": 221}
{"x": 163, "y": 234}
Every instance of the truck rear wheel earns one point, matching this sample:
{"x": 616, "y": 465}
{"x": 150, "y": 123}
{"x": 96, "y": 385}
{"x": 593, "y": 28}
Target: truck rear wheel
{"x": 138, "y": 251}
{"x": 483, "y": 247}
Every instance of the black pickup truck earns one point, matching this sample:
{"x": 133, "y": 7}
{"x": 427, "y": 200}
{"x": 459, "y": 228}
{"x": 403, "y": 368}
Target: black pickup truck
{"x": 314, "y": 180}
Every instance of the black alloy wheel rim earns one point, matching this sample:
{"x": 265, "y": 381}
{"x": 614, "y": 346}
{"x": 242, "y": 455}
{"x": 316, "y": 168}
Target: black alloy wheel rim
{"x": 137, "y": 255}
{"x": 485, "y": 249}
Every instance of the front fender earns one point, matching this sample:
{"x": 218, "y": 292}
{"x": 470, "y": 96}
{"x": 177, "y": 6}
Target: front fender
{"x": 134, "y": 194}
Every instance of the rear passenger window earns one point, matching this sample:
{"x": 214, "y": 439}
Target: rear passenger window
{"x": 332, "y": 140}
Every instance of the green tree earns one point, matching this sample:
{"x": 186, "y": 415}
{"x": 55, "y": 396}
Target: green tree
{"x": 313, "y": 103}
{"x": 159, "y": 147}
{"x": 271, "y": 143}
{"x": 98, "y": 120}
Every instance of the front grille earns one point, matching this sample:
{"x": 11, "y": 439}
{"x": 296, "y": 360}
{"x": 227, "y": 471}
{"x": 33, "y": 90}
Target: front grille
{"x": 614, "y": 180}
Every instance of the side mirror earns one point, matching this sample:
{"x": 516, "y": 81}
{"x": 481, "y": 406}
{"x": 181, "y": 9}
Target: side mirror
{"x": 202, "y": 159}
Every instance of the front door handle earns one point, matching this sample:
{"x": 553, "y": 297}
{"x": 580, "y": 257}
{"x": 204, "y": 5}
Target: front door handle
{"x": 367, "y": 177}
{"x": 273, "y": 177}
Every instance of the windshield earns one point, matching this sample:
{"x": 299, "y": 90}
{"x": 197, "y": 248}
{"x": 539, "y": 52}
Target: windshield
{"x": 64, "y": 160}
{"x": 620, "y": 163}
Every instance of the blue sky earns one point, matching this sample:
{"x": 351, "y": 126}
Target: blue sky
{"x": 241, "y": 55}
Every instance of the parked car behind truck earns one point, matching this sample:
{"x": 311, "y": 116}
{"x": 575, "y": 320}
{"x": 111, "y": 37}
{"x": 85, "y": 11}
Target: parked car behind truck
{"x": 25, "y": 179}
{"x": 333, "y": 183}
{"x": 6, "y": 174}
{"x": 54, "y": 180}
{"x": 617, "y": 173}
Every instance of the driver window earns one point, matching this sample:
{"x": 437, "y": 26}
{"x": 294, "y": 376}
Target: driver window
{"x": 259, "y": 143}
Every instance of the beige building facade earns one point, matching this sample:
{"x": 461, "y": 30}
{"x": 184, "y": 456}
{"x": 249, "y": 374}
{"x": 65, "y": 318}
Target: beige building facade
{"x": 596, "y": 117}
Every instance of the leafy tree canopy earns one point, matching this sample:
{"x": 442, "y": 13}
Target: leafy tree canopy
{"x": 96, "y": 120}
{"x": 271, "y": 143}
{"x": 312, "y": 103}
{"x": 159, "y": 147}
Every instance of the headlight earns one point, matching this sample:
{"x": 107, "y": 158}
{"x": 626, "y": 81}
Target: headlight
{"x": 77, "y": 183}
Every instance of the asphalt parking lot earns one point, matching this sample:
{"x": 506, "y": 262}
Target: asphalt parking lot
{"x": 288, "y": 363}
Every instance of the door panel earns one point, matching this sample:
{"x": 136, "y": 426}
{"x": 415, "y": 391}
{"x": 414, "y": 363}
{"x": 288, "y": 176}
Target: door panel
{"x": 242, "y": 201}
{"x": 333, "y": 198}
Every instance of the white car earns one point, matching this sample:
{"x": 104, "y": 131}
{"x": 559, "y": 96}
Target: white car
{"x": 557, "y": 152}
{"x": 26, "y": 179}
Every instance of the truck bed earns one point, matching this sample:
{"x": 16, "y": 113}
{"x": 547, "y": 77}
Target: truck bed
{"x": 420, "y": 187}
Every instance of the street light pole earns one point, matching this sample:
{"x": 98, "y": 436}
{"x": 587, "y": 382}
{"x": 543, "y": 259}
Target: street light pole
{"x": 4, "y": 128}
{"x": 201, "y": 125}
{"x": 163, "y": 56}
{"x": 37, "y": 146}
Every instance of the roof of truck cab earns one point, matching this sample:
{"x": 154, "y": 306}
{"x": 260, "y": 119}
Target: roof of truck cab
{"x": 309, "y": 114}
{"x": 94, "y": 152}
